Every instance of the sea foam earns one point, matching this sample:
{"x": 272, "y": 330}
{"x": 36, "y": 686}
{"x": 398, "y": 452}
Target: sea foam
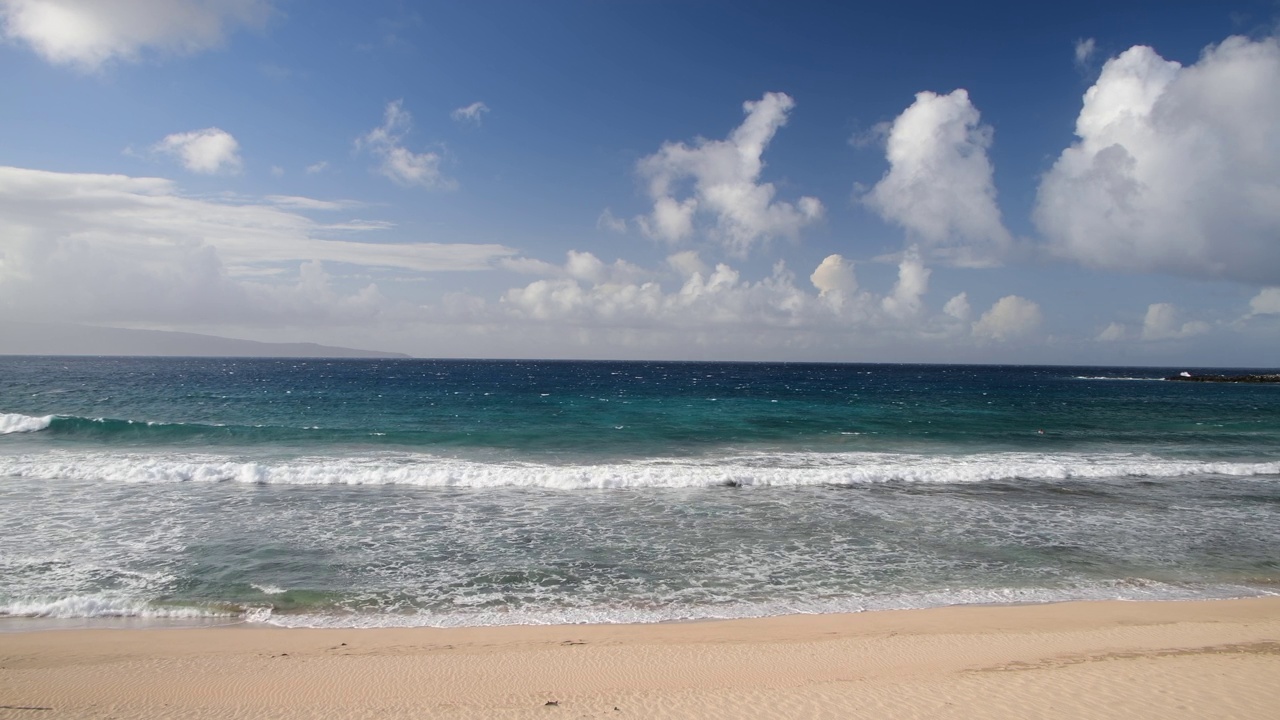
{"x": 748, "y": 469}
{"x": 107, "y": 606}
{"x": 102, "y": 605}
{"x": 677, "y": 612}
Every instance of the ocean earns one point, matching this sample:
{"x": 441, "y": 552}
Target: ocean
{"x": 372, "y": 493}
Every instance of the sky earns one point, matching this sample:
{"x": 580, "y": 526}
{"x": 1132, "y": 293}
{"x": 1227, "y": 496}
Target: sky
{"x": 995, "y": 182}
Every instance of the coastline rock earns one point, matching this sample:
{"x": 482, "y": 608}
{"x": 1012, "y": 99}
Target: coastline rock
{"x": 1188, "y": 377}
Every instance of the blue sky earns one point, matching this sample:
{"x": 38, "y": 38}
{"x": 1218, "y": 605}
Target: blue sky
{"x": 697, "y": 179}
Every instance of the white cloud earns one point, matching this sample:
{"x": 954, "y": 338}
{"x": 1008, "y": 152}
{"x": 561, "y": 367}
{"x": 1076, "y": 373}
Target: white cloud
{"x": 111, "y": 247}
{"x": 835, "y": 280}
{"x": 608, "y": 221}
{"x": 1111, "y": 333}
{"x": 724, "y": 175}
{"x": 1009, "y": 317}
{"x": 687, "y": 264}
{"x": 582, "y": 266}
{"x": 295, "y": 202}
{"x": 530, "y": 266}
{"x": 958, "y": 307}
{"x": 1177, "y": 169}
{"x": 277, "y": 171}
{"x": 719, "y": 309}
{"x": 472, "y": 113}
{"x": 356, "y": 225}
{"x": 585, "y": 307}
{"x": 671, "y": 220}
{"x": 939, "y": 184}
{"x": 1266, "y": 302}
{"x": 401, "y": 165}
{"x": 906, "y": 300}
{"x": 89, "y": 33}
{"x": 208, "y": 151}
{"x": 1084, "y": 51}
{"x": 317, "y": 167}
{"x": 1162, "y": 323}
{"x": 715, "y": 298}
{"x": 585, "y": 266}
{"x": 718, "y": 299}
{"x": 834, "y": 275}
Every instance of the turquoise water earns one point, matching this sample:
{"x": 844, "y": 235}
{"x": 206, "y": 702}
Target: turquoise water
{"x": 407, "y": 492}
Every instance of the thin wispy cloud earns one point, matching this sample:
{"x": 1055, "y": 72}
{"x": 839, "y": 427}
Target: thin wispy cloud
{"x": 472, "y": 113}
{"x": 399, "y": 164}
{"x": 120, "y": 244}
{"x": 1084, "y": 50}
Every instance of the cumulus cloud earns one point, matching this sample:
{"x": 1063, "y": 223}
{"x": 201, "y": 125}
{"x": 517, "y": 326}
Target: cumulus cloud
{"x": 958, "y": 307}
{"x": 939, "y": 184}
{"x": 1266, "y": 302}
{"x": 834, "y": 275}
{"x": 1176, "y": 170}
{"x": 472, "y": 113}
{"x": 1162, "y": 322}
{"x": 1009, "y": 317}
{"x": 1111, "y": 333}
{"x": 906, "y": 299}
{"x": 686, "y": 308}
{"x": 720, "y": 179}
{"x": 111, "y": 247}
{"x": 401, "y": 165}
{"x": 718, "y": 307}
{"x": 835, "y": 280}
{"x": 718, "y": 298}
{"x": 587, "y": 295}
{"x": 687, "y": 263}
{"x": 207, "y": 151}
{"x": 89, "y": 33}
{"x": 578, "y": 265}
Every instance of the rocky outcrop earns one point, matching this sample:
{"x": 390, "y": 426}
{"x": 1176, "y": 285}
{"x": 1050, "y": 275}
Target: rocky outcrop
{"x": 1188, "y": 377}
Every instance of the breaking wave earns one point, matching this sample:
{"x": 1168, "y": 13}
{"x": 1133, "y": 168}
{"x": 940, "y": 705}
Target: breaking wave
{"x": 103, "y": 605}
{"x": 748, "y": 469}
{"x": 16, "y": 423}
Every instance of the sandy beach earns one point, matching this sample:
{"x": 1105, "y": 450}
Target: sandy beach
{"x": 1217, "y": 659}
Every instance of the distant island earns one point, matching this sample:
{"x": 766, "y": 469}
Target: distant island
{"x": 1188, "y": 377}
{"x": 22, "y": 338}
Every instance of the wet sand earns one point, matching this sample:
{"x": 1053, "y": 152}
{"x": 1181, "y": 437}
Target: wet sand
{"x": 1214, "y": 659}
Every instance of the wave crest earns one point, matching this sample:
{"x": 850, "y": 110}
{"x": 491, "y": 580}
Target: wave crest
{"x": 16, "y": 423}
{"x": 759, "y": 469}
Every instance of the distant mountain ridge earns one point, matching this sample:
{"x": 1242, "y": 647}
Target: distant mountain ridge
{"x": 23, "y": 338}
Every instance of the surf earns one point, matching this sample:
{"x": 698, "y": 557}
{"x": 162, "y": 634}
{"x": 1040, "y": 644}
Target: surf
{"x": 758, "y": 469}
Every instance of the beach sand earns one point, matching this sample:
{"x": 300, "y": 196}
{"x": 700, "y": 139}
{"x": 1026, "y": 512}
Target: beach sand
{"x": 1216, "y": 659}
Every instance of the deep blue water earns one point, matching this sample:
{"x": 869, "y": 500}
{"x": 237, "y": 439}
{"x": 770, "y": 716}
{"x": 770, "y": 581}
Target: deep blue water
{"x": 371, "y": 492}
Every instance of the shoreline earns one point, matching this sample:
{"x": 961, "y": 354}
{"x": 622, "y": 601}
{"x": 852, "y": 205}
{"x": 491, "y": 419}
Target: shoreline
{"x": 1193, "y": 658}
{"x": 11, "y": 624}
